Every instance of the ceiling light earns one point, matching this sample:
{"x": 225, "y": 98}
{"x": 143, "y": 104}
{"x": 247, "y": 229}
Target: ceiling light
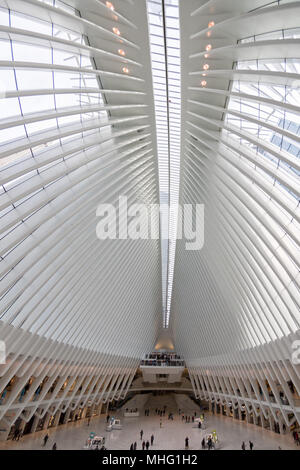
{"x": 203, "y": 83}
{"x": 208, "y": 47}
{"x": 125, "y": 70}
{"x": 211, "y": 24}
{"x": 206, "y": 56}
{"x": 116, "y": 31}
{"x": 121, "y": 52}
{"x": 110, "y": 5}
{"x": 205, "y": 67}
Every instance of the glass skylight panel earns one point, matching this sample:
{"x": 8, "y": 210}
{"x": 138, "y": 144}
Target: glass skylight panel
{"x": 43, "y": 80}
{"x": 275, "y": 153}
{"x": 165, "y": 54}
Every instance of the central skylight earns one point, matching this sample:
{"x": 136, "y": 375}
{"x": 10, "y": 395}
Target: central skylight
{"x": 165, "y": 54}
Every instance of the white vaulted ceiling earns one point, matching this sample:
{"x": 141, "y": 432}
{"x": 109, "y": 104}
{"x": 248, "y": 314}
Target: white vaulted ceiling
{"x": 158, "y": 101}
{"x": 240, "y": 151}
{"x": 76, "y": 131}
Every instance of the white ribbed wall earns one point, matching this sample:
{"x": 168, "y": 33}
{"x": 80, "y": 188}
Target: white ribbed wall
{"x": 76, "y": 130}
{"x": 235, "y": 306}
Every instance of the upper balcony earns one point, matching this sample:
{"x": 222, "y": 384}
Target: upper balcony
{"x": 161, "y": 366}
{"x": 162, "y": 359}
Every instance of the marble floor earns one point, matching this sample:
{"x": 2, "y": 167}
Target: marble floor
{"x": 170, "y": 436}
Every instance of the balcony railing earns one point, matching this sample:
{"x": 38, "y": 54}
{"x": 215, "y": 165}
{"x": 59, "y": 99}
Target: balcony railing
{"x": 162, "y": 363}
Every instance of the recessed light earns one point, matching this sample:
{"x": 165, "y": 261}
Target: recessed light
{"x": 121, "y": 52}
{"x": 110, "y": 6}
{"x": 116, "y": 31}
{"x": 125, "y": 70}
{"x": 208, "y": 47}
{"x": 203, "y": 83}
{"x": 205, "y": 67}
{"x": 211, "y": 24}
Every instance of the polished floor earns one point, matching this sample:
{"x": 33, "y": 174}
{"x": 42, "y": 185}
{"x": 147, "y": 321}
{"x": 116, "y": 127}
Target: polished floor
{"x": 171, "y": 435}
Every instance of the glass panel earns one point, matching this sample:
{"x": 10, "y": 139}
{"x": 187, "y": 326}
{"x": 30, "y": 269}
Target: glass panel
{"x": 165, "y": 53}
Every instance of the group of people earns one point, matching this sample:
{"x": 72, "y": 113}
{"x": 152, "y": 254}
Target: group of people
{"x": 188, "y": 418}
{"x": 162, "y": 359}
{"x": 45, "y": 440}
{"x": 145, "y": 443}
{"x": 251, "y": 445}
{"x": 17, "y": 434}
{"x": 160, "y": 412}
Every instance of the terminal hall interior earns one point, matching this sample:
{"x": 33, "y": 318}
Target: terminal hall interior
{"x": 127, "y": 340}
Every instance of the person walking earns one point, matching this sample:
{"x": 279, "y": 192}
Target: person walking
{"x": 134, "y": 446}
{"x": 251, "y": 445}
{"x": 186, "y": 442}
{"x": 107, "y": 418}
{"x": 141, "y": 434}
{"x": 46, "y": 439}
{"x": 203, "y": 444}
{"x": 131, "y": 447}
{"x": 243, "y": 446}
{"x": 143, "y": 445}
{"x": 152, "y": 439}
{"x": 160, "y": 423}
{"x": 147, "y": 445}
{"x": 54, "y": 447}
{"x": 209, "y": 443}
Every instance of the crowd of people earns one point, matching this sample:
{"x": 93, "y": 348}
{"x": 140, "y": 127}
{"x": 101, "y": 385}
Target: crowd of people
{"x": 145, "y": 443}
{"x": 208, "y": 441}
{"x": 162, "y": 359}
